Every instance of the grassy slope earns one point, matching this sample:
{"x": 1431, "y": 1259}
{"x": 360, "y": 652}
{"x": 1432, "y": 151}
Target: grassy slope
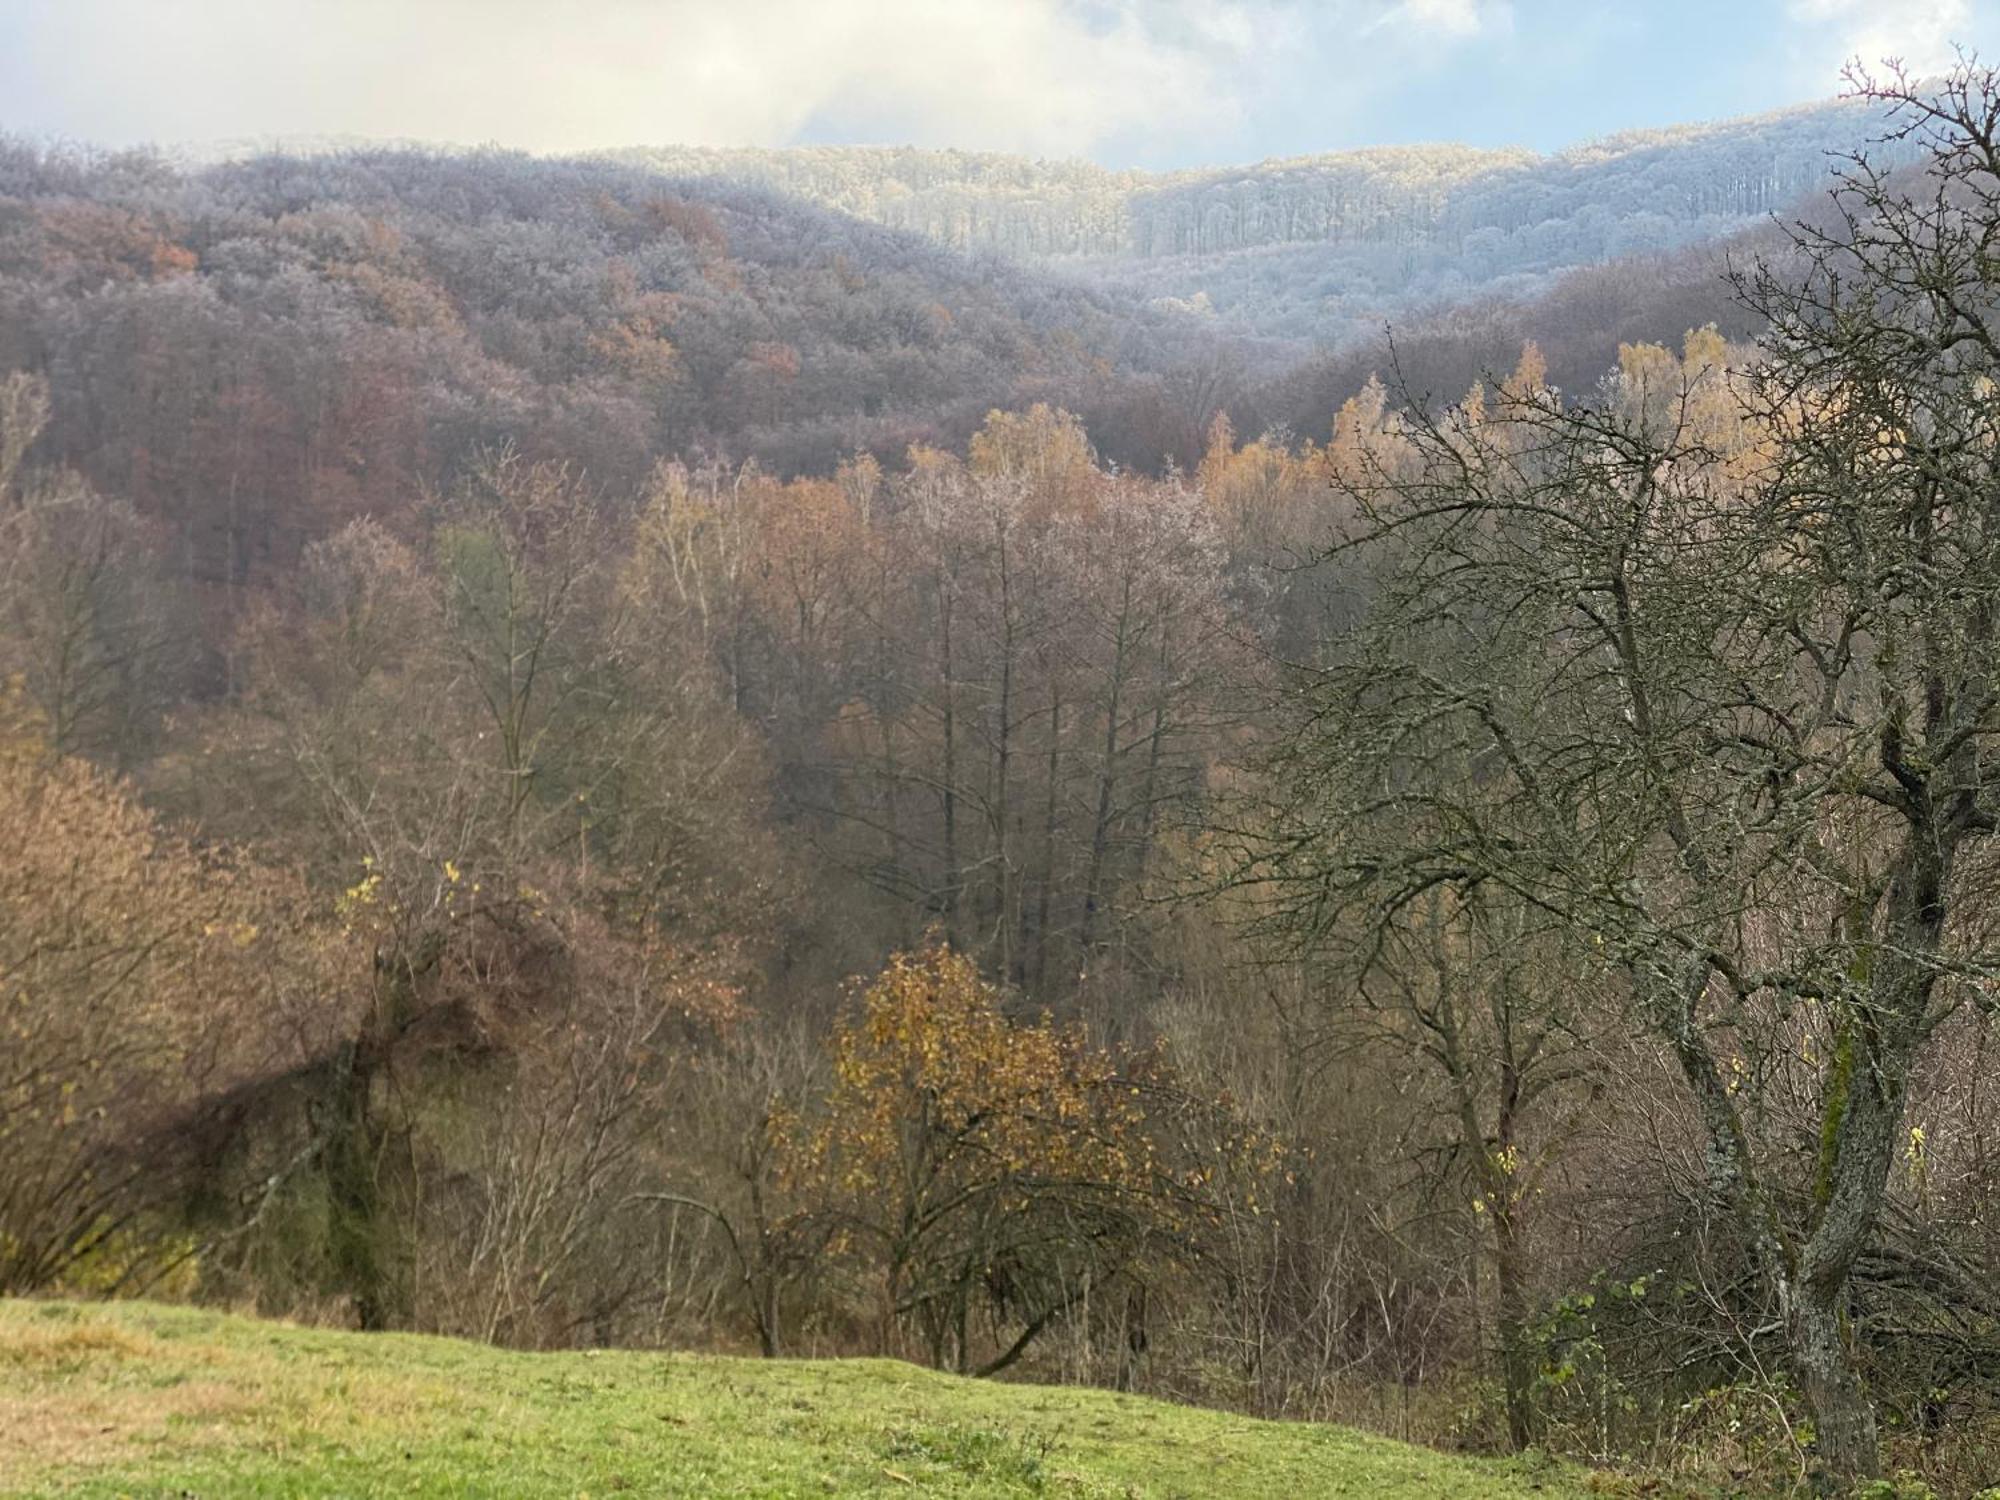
{"x": 142, "y": 1400}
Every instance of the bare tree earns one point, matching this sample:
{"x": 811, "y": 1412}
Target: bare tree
{"x": 1708, "y": 669}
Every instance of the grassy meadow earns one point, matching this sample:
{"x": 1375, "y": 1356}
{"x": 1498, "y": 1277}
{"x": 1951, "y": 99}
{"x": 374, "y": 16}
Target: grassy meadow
{"x": 144, "y": 1400}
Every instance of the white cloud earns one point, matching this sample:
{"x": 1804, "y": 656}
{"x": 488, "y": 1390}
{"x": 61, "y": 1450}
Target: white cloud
{"x": 1147, "y": 80}
{"x": 1917, "y": 33}
{"x": 1032, "y": 75}
{"x": 1452, "y": 19}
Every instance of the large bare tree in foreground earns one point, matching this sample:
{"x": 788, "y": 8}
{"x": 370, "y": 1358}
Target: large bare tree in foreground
{"x": 1708, "y": 669}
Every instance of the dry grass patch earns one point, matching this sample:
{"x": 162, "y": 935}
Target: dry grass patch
{"x": 43, "y": 1431}
{"x": 72, "y": 1346}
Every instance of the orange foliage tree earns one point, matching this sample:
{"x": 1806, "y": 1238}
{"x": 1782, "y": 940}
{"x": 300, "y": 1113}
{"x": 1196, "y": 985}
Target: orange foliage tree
{"x": 991, "y": 1177}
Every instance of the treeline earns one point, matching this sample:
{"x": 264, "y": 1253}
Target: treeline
{"x": 1579, "y": 323}
{"x": 260, "y": 351}
{"x": 254, "y": 353}
{"x": 1329, "y": 246}
{"x": 1026, "y": 209}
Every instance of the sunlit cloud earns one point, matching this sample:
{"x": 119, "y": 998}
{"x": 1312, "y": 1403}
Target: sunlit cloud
{"x": 1070, "y": 77}
{"x": 1145, "y": 82}
{"x": 1031, "y": 75}
{"x": 1920, "y": 34}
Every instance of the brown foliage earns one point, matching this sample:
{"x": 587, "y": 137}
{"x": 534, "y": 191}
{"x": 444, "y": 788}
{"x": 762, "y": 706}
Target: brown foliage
{"x": 136, "y": 982}
{"x": 992, "y": 1176}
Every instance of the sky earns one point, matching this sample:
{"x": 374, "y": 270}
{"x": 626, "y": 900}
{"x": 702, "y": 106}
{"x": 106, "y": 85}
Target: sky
{"x": 1145, "y": 83}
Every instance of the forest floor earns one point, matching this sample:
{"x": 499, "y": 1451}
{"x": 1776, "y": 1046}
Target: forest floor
{"x": 134, "y": 1399}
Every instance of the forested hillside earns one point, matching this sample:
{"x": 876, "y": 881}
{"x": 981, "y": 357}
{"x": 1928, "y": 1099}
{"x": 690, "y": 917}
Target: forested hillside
{"x": 1328, "y": 245}
{"x": 291, "y": 340}
{"x": 601, "y": 758}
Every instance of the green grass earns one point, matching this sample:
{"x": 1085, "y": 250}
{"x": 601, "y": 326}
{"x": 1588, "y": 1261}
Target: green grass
{"x": 141, "y": 1400}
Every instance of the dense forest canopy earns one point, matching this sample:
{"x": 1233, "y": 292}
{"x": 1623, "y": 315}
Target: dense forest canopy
{"x": 1327, "y": 245}
{"x": 260, "y": 348}
{"x": 1299, "y": 249}
{"x": 926, "y": 754}
{"x": 434, "y": 303}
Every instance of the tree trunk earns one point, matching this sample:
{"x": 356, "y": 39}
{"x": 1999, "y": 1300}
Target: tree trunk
{"x": 349, "y": 1162}
{"x": 1107, "y": 781}
{"x": 1002, "y": 812}
{"x": 1510, "y": 1303}
{"x": 949, "y": 781}
{"x": 1843, "y": 1419}
{"x": 1859, "y": 1136}
{"x": 1049, "y": 810}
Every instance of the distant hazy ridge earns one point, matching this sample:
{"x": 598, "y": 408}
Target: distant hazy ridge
{"x": 1309, "y": 244}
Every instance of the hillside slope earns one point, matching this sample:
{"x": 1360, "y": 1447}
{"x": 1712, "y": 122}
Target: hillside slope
{"x": 353, "y": 323}
{"x": 141, "y": 1400}
{"x": 1327, "y": 245}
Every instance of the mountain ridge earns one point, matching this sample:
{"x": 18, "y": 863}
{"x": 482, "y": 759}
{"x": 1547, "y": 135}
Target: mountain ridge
{"x": 1290, "y": 250}
{"x": 1325, "y": 246}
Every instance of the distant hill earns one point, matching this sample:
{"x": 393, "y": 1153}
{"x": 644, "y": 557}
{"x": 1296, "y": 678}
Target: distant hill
{"x": 1317, "y": 246}
{"x": 296, "y": 336}
{"x": 271, "y": 341}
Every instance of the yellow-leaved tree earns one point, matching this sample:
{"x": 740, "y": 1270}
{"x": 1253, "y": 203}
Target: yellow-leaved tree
{"x": 989, "y": 1178}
